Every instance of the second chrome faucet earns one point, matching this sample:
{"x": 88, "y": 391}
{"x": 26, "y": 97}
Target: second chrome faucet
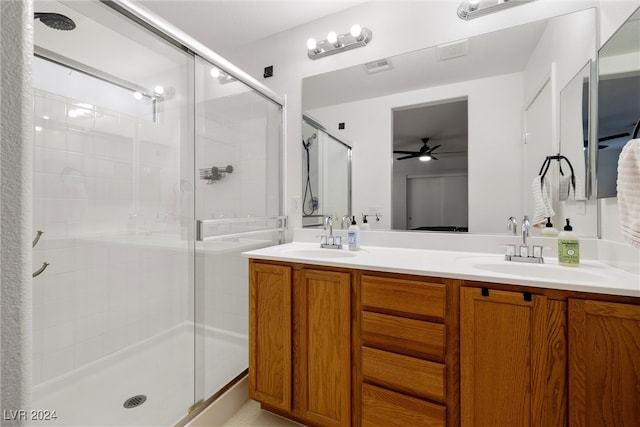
{"x": 522, "y": 254}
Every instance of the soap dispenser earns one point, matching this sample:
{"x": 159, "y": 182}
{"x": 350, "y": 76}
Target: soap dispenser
{"x": 365, "y": 224}
{"x": 354, "y": 235}
{"x": 549, "y": 230}
{"x": 568, "y": 247}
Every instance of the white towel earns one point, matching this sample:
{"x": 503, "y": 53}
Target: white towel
{"x": 566, "y": 190}
{"x": 541, "y": 200}
{"x": 629, "y": 191}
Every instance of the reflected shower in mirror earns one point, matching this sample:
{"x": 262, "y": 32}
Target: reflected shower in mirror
{"x": 618, "y": 101}
{"x": 326, "y": 174}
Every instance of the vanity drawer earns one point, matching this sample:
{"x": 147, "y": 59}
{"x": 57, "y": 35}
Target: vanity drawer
{"x": 407, "y": 336}
{"x": 403, "y": 373}
{"x": 403, "y": 296}
{"x": 386, "y": 408}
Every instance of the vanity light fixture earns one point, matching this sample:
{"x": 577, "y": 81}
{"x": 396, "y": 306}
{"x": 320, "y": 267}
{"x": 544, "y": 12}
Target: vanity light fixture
{"x": 470, "y": 9}
{"x": 356, "y": 37}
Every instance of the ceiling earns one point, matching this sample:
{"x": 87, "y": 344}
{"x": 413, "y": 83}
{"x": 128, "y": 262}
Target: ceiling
{"x": 225, "y": 26}
{"x": 443, "y": 123}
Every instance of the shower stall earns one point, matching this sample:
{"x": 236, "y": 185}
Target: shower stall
{"x": 156, "y": 164}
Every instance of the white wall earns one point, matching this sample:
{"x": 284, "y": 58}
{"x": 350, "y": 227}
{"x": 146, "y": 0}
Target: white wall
{"x": 494, "y": 131}
{"x": 398, "y": 27}
{"x": 16, "y": 163}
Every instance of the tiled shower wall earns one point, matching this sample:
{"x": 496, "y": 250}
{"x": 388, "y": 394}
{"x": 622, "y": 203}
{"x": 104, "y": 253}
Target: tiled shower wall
{"x": 107, "y": 196}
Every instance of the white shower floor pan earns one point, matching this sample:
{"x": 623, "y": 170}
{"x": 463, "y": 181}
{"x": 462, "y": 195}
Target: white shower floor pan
{"x": 161, "y": 368}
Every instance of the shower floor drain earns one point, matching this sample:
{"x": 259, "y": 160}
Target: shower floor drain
{"x": 134, "y": 401}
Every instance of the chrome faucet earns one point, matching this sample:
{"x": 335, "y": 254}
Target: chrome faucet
{"x": 526, "y": 230}
{"x": 328, "y": 222}
{"x": 330, "y": 241}
{"x": 345, "y": 218}
{"x": 522, "y": 254}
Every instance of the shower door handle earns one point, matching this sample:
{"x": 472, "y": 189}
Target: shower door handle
{"x": 37, "y": 238}
{"x": 40, "y": 270}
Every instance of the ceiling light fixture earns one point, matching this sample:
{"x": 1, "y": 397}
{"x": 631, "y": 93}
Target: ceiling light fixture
{"x": 425, "y": 158}
{"x": 356, "y": 37}
{"x": 470, "y": 9}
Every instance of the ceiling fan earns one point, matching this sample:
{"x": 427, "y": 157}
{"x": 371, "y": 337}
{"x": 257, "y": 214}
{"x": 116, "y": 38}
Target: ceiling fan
{"x": 424, "y": 153}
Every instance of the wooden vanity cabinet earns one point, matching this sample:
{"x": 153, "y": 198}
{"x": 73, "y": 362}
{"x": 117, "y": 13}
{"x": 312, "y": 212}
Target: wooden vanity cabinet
{"x": 340, "y": 347}
{"x": 604, "y": 364}
{"x": 512, "y": 359}
{"x": 300, "y": 342}
{"x": 408, "y": 359}
{"x": 270, "y": 335}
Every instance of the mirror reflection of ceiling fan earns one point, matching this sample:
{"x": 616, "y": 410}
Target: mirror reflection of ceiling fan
{"x": 425, "y": 152}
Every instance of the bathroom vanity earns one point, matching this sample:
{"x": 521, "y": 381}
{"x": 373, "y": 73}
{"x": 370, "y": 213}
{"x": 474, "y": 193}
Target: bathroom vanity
{"x": 404, "y": 337}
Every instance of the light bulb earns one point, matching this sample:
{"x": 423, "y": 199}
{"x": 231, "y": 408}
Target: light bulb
{"x": 38, "y": 128}
{"x": 159, "y": 90}
{"x": 215, "y": 73}
{"x": 356, "y": 31}
{"x": 137, "y": 95}
{"x": 473, "y": 5}
{"x": 332, "y": 37}
{"x": 425, "y": 158}
{"x": 312, "y": 44}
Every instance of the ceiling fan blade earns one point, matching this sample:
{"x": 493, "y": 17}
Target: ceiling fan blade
{"x": 406, "y": 157}
{"x": 434, "y": 157}
{"x": 450, "y": 152}
{"x": 610, "y": 137}
{"x": 403, "y": 152}
{"x": 440, "y": 145}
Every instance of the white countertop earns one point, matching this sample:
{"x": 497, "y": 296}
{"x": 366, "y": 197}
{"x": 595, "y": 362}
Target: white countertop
{"x": 589, "y": 276}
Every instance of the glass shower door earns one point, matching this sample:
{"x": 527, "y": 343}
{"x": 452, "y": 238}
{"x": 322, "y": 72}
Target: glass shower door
{"x": 113, "y": 340}
{"x": 237, "y": 208}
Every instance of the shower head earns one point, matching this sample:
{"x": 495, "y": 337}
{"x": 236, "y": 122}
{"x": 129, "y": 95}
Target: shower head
{"x": 56, "y": 21}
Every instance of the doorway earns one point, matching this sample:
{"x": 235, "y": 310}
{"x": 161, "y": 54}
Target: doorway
{"x": 430, "y": 166}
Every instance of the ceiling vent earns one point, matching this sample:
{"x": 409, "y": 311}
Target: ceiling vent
{"x": 453, "y": 50}
{"x": 377, "y": 66}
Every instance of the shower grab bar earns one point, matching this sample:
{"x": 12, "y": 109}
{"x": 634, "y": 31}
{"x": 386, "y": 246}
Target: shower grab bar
{"x": 282, "y": 226}
{"x": 240, "y": 234}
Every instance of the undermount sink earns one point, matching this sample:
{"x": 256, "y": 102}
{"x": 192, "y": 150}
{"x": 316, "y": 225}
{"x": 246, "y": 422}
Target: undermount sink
{"x": 320, "y": 253}
{"x": 582, "y": 273}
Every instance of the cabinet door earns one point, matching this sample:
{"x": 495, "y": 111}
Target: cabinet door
{"x": 503, "y": 358}
{"x": 323, "y": 361}
{"x": 270, "y": 334}
{"x": 604, "y": 364}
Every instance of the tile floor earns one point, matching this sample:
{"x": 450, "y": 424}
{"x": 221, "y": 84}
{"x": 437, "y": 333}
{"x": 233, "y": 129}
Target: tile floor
{"x": 250, "y": 415}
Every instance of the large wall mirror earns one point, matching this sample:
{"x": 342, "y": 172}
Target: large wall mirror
{"x": 618, "y": 101}
{"x": 467, "y": 100}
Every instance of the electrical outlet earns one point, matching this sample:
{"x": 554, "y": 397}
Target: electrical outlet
{"x": 341, "y": 125}
{"x": 296, "y": 202}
